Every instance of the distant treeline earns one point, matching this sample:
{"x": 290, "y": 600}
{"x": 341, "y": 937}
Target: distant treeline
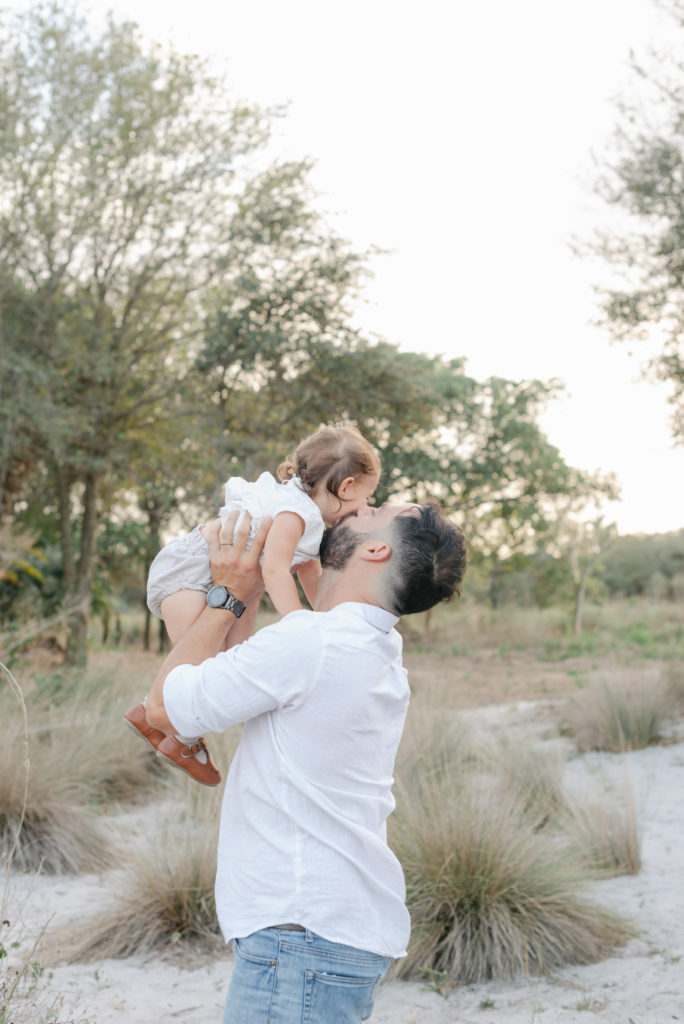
{"x": 635, "y": 565}
{"x": 648, "y": 564}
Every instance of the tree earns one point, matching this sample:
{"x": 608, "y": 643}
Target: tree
{"x": 281, "y": 349}
{"x": 509, "y": 484}
{"x": 589, "y": 542}
{"x": 644, "y": 180}
{"x": 630, "y": 564}
{"x": 170, "y": 317}
{"x": 118, "y": 183}
{"x": 18, "y": 457}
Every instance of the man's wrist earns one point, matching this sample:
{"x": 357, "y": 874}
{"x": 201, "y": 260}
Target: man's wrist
{"x": 218, "y": 596}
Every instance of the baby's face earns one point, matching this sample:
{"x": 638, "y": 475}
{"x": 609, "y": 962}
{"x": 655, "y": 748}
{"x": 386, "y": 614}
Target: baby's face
{"x": 355, "y": 494}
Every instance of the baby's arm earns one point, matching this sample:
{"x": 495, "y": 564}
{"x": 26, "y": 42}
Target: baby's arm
{"x": 309, "y": 574}
{"x": 282, "y": 539}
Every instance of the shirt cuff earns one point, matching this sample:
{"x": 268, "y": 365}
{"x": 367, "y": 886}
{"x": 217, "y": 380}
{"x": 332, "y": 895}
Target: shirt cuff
{"x": 178, "y": 687}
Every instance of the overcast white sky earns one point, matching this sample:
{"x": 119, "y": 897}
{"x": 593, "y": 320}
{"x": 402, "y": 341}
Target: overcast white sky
{"x": 459, "y": 135}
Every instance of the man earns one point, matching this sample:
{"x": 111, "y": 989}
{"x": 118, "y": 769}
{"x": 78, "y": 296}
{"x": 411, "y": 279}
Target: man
{"x": 306, "y": 885}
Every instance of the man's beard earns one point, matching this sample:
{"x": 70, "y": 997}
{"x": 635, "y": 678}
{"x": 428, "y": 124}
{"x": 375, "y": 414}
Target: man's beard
{"x": 338, "y": 545}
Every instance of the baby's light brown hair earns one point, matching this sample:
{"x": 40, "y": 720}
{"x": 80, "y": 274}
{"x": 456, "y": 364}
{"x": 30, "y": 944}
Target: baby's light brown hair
{"x": 330, "y": 456}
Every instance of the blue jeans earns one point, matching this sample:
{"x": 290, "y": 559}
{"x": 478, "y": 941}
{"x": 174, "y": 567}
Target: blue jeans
{"x": 290, "y": 977}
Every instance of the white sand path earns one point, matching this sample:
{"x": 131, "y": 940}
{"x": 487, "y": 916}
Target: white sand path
{"x": 642, "y": 984}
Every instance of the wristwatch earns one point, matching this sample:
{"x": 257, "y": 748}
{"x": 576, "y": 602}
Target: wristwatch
{"x": 219, "y": 597}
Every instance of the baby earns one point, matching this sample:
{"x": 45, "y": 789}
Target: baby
{"x": 333, "y": 472}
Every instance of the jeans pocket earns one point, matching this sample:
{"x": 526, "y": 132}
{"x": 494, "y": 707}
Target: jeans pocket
{"x": 338, "y": 998}
{"x": 250, "y": 951}
{"x": 251, "y": 986}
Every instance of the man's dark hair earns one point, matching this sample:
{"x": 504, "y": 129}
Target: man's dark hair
{"x": 431, "y": 560}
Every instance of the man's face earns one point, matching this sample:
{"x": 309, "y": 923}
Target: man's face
{"x": 341, "y": 541}
{"x": 370, "y": 519}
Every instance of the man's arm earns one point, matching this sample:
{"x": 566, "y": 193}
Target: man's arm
{"x": 238, "y": 570}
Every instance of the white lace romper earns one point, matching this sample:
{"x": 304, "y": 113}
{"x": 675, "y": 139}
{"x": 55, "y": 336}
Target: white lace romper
{"x": 183, "y": 564}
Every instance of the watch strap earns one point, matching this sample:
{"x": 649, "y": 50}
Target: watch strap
{"x": 226, "y": 600}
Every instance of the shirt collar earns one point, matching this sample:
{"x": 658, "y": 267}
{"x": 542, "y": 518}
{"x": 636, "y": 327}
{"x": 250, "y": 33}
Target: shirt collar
{"x": 378, "y": 617}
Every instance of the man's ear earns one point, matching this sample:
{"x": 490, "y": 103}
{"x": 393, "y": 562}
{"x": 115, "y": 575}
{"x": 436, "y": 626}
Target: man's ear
{"x": 375, "y": 550}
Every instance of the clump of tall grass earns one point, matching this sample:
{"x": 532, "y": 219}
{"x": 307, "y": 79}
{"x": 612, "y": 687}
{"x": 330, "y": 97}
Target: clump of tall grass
{"x": 87, "y": 706}
{"x": 604, "y": 835}
{"x": 434, "y": 734}
{"x": 533, "y": 776}
{"x": 617, "y": 718}
{"x": 65, "y": 752}
{"x": 45, "y": 821}
{"x": 491, "y": 893}
{"x": 674, "y": 688}
{"x": 163, "y": 898}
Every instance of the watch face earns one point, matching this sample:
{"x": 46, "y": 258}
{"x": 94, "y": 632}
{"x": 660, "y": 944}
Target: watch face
{"x": 216, "y": 597}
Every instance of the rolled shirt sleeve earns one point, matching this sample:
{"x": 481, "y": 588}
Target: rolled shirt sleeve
{"x": 248, "y": 680}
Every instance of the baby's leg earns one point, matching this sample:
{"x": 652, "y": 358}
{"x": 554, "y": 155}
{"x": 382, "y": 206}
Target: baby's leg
{"x": 180, "y": 610}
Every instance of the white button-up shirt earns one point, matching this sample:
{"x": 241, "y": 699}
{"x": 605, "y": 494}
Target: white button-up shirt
{"x": 323, "y": 696}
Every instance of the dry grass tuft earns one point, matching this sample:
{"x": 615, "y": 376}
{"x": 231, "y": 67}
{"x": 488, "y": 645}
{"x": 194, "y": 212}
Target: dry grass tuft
{"x": 533, "y": 777}
{"x": 490, "y": 894}
{"x": 674, "y": 688}
{"x": 79, "y": 754}
{"x": 435, "y": 733}
{"x": 605, "y": 835}
{"x": 616, "y": 718}
{"x": 163, "y": 899}
{"x": 50, "y": 825}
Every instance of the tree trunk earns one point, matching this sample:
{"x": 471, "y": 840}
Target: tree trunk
{"x": 153, "y": 544}
{"x": 147, "y": 629}
{"x": 494, "y": 588}
{"x": 583, "y": 579}
{"x": 164, "y": 644}
{"x": 80, "y": 594}
{"x": 579, "y": 601}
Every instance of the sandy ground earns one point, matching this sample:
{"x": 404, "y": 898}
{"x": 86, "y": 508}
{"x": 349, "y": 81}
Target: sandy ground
{"x": 642, "y": 984}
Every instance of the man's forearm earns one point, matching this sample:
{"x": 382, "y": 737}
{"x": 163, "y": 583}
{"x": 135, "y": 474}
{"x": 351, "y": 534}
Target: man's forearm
{"x": 237, "y": 568}
{"x": 205, "y": 638}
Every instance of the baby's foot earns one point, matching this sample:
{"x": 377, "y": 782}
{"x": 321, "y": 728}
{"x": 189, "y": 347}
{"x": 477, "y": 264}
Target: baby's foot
{"x": 136, "y": 718}
{"x": 192, "y": 756}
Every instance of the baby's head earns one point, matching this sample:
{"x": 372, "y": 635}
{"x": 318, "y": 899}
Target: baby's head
{"x": 337, "y": 468}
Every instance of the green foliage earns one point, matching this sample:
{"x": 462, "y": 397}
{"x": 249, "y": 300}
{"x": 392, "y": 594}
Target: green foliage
{"x": 172, "y": 317}
{"x": 630, "y": 565}
{"x": 117, "y": 172}
{"x": 643, "y": 177}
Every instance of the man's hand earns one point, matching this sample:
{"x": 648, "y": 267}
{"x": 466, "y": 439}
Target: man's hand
{"x": 232, "y": 565}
